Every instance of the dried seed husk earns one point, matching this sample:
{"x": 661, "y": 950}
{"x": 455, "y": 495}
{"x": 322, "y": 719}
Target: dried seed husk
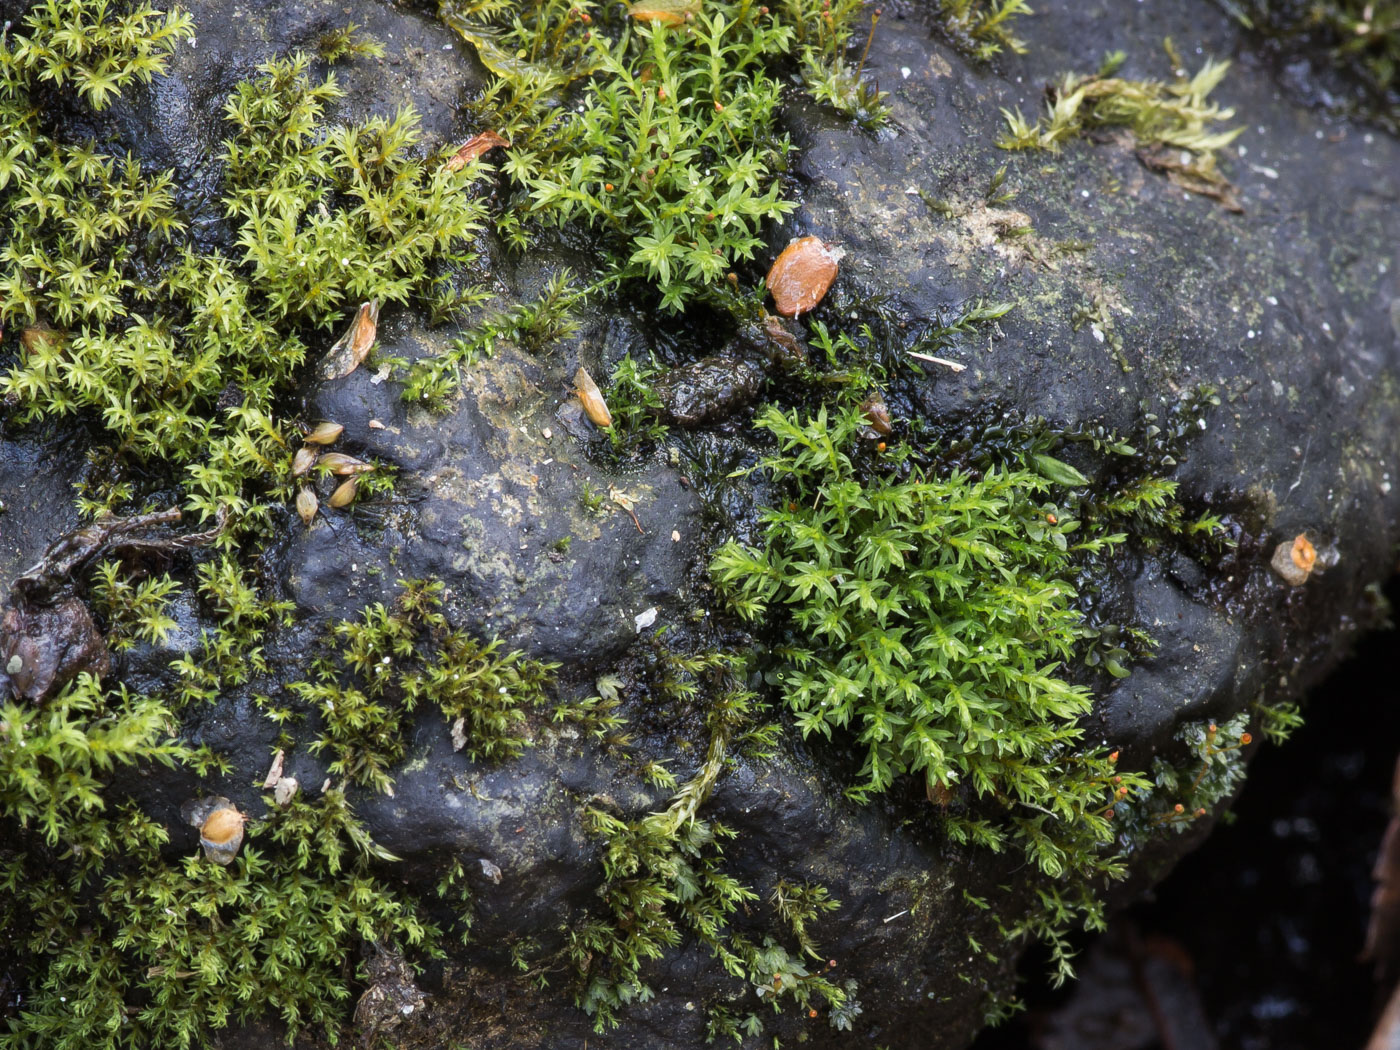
{"x": 473, "y": 148}
{"x": 340, "y": 463}
{"x": 284, "y": 790}
{"x": 801, "y": 275}
{"x": 304, "y": 460}
{"x": 344, "y": 495}
{"x": 877, "y": 415}
{"x": 592, "y": 398}
{"x": 324, "y": 434}
{"x": 350, "y": 350}
{"x": 307, "y": 504}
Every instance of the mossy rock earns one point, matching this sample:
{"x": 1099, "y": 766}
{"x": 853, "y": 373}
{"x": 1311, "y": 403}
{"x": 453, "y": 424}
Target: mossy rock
{"x": 1127, "y": 293}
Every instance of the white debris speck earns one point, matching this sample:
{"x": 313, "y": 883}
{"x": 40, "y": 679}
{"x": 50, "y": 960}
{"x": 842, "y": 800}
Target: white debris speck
{"x": 645, "y": 619}
{"x": 905, "y": 72}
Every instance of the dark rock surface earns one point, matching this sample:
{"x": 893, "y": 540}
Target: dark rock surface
{"x": 1288, "y": 310}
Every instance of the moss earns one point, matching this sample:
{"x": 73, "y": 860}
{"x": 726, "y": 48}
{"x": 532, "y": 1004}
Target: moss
{"x": 1361, "y": 36}
{"x": 389, "y": 661}
{"x": 930, "y": 616}
{"x": 982, "y": 28}
{"x": 179, "y": 356}
{"x": 1178, "y": 115}
{"x": 664, "y": 879}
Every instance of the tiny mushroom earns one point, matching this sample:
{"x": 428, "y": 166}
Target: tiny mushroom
{"x": 801, "y": 275}
{"x": 1294, "y": 560}
{"x": 220, "y": 825}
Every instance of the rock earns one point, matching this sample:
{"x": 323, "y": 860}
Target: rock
{"x": 706, "y": 391}
{"x": 486, "y": 499}
{"x": 1286, "y": 309}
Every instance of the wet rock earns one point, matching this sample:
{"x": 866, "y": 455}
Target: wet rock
{"x": 706, "y": 391}
{"x": 485, "y": 500}
{"x": 1287, "y": 309}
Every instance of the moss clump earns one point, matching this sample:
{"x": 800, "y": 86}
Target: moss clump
{"x": 982, "y": 28}
{"x": 177, "y": 354}
{"x": 96, "y": 46}
{"x": 930, "y": 617}
{"x": 390, "y": 660}
{"x": 1178, "y": 115}
{"x": 1362, "y": 36}
{"x": 664, "y": 878}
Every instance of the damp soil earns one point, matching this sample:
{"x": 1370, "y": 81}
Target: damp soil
{"x": 1271, "y": 912}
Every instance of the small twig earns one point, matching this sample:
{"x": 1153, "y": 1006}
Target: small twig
{"x": 955, "y": 366}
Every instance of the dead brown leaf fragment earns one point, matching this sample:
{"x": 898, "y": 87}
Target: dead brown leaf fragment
{"x": 350, "y": 350}
{"x": 274, "y": 772}
{"x": 1192, "y": 172}
{"x": 801, "y": 275}
{"x": 473, "y": 148}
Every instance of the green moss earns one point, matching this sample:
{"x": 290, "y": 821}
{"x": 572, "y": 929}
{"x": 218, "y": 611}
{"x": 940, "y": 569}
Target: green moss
{"x": 96, "y": 47}
{"x": 179, "y": 356}
{"x": 1363, "y": 36}
{"x": 130, "y": 949}
{"x": 664, "y": 878}
{"x": 982, "y": 28}
{"x": 1177, "y": 115}
{"x": 390, "y": 660}
{"x": 930, "y": 618}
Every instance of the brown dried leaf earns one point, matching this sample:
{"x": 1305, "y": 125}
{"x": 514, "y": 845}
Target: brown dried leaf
{"x": 473, "y": 148}
{"x": 349, "y": 351}
{"x": 801, "y": 275}
{"x": 1194, "y": 174}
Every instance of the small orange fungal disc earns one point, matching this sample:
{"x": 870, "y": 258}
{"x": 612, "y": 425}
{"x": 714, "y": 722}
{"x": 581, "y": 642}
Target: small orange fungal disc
{"x": 222, "y": 825}
{"x": 1304, "y": 554}
{"x": 801, "y": 275}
